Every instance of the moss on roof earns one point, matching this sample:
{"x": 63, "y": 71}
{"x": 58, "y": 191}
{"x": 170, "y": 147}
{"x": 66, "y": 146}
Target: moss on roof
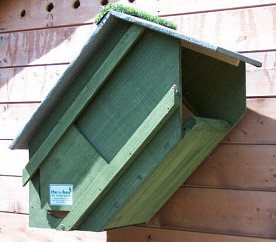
{"x": 134, "y": 12}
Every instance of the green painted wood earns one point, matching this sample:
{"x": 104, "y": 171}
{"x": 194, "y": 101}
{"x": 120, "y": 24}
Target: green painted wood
{"x": 84, "y": 97}
{"x": 131, "y": 93}
{"x": 122, "y": 160}
{"x": 135, "y": 175}
{"x": 212, "y": 88}
{"x": 39, "y": 218}
{"x": 72, "y": 161}
{"x": 200, "y": 137}
{"x": 79, "y": 81}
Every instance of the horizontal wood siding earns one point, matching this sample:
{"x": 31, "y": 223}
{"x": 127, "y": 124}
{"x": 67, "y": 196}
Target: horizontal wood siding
{"x": 13, "y": 197}
{"x": 43, "y": 46}
{"x": 254, "y": 128}
{"x": 28, "y": 84}
{"x": 230, "y": 197}
{"x": 144, "y": 234}
{"x": 258, "y": 126}
{"x": 249, "y": 213}
{"x": 240, "y": 30}
{"x": 15, "y": 228}
{"x": 13, "y": 117}
{"x": 244, "y": 167}
{"x": 63, "y": 12}
{"x": 11, "y": 162}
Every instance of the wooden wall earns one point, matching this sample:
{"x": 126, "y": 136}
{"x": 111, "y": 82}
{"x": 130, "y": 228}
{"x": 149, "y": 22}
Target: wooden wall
{"x": 231, "y": 197}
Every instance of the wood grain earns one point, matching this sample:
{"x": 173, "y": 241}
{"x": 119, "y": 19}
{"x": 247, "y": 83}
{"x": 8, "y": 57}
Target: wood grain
{"x": 144, "y": 234}
{"x": 12, "y": 162}
{"x": 26, "y": 84}
{"x": 85, "y": 95}
{"x": 239, "y": 30}
{"x": 251, "y": 167}
{"x": 43, "y": 46}
{"x": 30, "y": 84}
{"x": 14, "y": 228}
{"x": 21, "y": 231}
{"x": 13, "y": 197}
{"x": 64, "y": 14}
{"x": 178, "y": 7}
{"x": 247, "y": 213}
{"x": 261, "y": 81}
{"x": 230, "y": 166}
{"x": 38, "y": 17}
{"x": 258, "y": 126}
{"x": 13, "y": 117}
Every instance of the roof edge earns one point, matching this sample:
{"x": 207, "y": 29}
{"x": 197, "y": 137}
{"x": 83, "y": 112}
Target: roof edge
{"x": 180, "y": 36}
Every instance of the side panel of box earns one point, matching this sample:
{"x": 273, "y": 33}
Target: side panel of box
{"x": 212, "y": 88}
{"x": 200, "y": 138}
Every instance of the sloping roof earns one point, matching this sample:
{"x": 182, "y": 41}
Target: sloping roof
{"x": 93, "y": 43}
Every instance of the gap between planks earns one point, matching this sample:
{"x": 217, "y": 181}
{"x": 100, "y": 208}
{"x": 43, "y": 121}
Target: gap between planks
{"x": 218, "y": 10}
{"x": 48, "y": 27}
{"x": 209, "y": 187}
{"x": 35, "y": 65}
{"x": 236, "y": 238}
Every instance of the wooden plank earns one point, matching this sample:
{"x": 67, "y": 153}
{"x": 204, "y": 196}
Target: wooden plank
{"x": 13, "y": 118}
{"x": 23, "y": 84}
{"x": 21, "y": 231}
{"x": 233, "y": 212}
{"x": 71, "y": 150}
{"x": 145, "y": 234}
{"x": 239, "y": 30}
{"x": 63, "y": 13}
{"x": 201, "y": 135}
{"x": 12, "y": 162}
{"x": 88, "y": 92}
{"x": 13, "y": 197}
{"x": 43, "y": 46}
{"x": 224, "y": 95}
{"x": 38, "y": 17}
{"x": 14, "y": 228}
{"x": 134, "y": 96}
{"x": 258, "y": 126}
{"x": 193, "y": 6}
{"x": 249, "y": 167}
{"x": 40, "y": 46}
{"x": 261, "y": 81}
{"x": 33, "y": 83}
{"x": 29, "y": 84}
{"x": 133, "y": 147}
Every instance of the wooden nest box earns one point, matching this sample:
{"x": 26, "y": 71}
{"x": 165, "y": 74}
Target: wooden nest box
{"x": 128, "y": 122}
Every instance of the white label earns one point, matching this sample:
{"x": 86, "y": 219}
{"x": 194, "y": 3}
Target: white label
{"x": 61, "y": 194}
